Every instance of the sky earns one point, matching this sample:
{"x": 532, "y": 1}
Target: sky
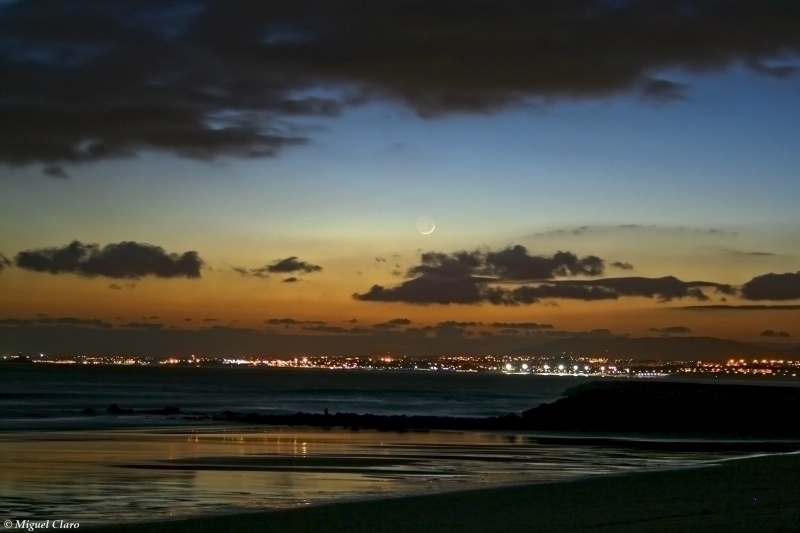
{"x": 420, "y": 177}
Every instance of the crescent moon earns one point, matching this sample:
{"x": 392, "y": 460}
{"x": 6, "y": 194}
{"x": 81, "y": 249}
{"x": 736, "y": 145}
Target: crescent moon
{"x": 425, "y": 225}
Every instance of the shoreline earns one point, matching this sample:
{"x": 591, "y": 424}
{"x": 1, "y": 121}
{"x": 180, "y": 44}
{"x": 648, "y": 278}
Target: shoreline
{"x": 753, "y": 493}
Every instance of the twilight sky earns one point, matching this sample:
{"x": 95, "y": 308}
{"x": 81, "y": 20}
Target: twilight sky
{"x": 248, "y": 177}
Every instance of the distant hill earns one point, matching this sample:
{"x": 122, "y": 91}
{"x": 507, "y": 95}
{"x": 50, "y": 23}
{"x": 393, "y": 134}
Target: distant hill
{"x": 671, "y": 348}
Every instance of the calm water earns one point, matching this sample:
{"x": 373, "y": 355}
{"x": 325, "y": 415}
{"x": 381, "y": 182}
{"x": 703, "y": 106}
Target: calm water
{"x": 40, "y": 396}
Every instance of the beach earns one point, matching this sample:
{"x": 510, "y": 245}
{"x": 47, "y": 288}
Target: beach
{"x": 751, "y": 494}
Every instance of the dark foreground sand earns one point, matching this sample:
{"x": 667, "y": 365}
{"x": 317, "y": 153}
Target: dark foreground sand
{"x": 757, "y": 494}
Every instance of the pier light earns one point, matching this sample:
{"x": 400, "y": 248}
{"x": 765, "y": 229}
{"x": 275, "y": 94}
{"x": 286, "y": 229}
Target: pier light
{"x": 509, "y": 367}
{"x": 560, "y": 368}
{"x": 524, "y": 366}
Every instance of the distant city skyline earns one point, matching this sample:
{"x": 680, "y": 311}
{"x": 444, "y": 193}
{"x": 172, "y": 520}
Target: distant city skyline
{"x": 388, "y": 175}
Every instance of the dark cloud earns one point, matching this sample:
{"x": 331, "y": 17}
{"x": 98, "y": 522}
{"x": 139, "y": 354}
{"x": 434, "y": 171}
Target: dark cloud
{"x": 773, "y": 287}
{"x": 280, "y": 266}
{"x": 456, "y": 324}
{"x": 665, "y": 288}
{"x": 71, "y": 321}
{"x": 515, "y": 264}
{"x": 210, "y": 79}
{"x": 291, "y": 264}
{"x": 291, "y": 322}
{"x": 621, "y": 265}
{"x": 512, "y": 263}
{"x": 427, "y": 290}
{"x": 521, "y": 325}
{"x": 4, "y": 262}
{"x": 393, "y": 323}
{"x": 142, "y": 325}
{"x": 720, "y": 307}
{"x": 771, "y": 333}
{"x": 530, "y": 294}
{"x": 338, "y": 330}
{"x": 283, "y": 321}
{"x": 672, "y": 330}
{"x": 124, "y": 260}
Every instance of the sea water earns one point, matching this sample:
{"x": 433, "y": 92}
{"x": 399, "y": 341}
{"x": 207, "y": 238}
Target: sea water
{"x": 45, "y": 396}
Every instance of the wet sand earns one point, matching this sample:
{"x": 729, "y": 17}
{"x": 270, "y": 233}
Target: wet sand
{"x": 754, "y": 494}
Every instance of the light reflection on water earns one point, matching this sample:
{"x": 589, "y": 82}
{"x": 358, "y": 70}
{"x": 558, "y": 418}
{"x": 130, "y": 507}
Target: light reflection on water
{"x": 101, "y": 476}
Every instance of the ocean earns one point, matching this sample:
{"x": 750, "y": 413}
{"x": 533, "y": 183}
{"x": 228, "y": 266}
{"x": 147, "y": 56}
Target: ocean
{"x": 48, "y": 396}
{"x": 57, "y": 463}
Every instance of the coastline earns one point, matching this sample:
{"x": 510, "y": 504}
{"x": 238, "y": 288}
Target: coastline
{"x": 757, "y": 493}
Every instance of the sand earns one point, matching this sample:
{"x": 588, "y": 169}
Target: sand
{"x": 756, "y": 494}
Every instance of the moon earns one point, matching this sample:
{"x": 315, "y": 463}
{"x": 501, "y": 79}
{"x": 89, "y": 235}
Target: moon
{"x": 425, "y": 225}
